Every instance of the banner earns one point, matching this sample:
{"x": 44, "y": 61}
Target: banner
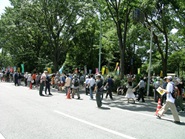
{"x": 49, "y": 70}
{"x": 22, "y": 67}
{"x": 161, "y": 74}
{"x": 18, "y": 69}
{"x": 90, "y": 71}
{"x": 14, "y": 68}
{"x": 85, "y": 69}
{"x": 117, "y": 70}
{"x": 103, "y": 70}
{"x": 117, "y": 63}
{"x": 97, "y": 72}
{"x": 138, "y": 71}
{"x": 107, "y": 71}
{"x": 61, "y": 69}
{"x": 11, "y": 69}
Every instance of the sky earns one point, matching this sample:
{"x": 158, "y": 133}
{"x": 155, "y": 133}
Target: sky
{"x": 3, "y": 4}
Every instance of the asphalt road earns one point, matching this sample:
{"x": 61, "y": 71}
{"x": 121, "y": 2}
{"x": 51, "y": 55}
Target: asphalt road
{"x": 26, "y": 115}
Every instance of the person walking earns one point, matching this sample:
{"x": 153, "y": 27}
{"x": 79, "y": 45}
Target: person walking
{"x": 179, "y": 99}
{"x": 25, "y": 78}
{"x": 130, "y": 93}
{"x": 47, "y": 84}
{"x": 75, "y": 86}
{"x": 91, "y": 85}
{"x": 99, "y": 90}
{"x": 109, "y": 86}
{"x": 67, "y": 83}
{"x": 156, "y": 85}
{"x": 86, "y": 84}
{"x": 16, "y": 78}
{"x": 42, "y": 83}
{"x": 141, "y": 86}
{"x": 170, "y": 101}
{"x": 163, "y": 97}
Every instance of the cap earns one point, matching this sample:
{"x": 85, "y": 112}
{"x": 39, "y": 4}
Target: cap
{"x": 169, "y": 77}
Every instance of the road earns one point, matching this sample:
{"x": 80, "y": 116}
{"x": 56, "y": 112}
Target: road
{"x": 26, "y": 115}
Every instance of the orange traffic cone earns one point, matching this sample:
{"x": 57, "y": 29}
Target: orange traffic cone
{"x": 68, "y": 94}
{"x": 158, "y": 106}
{"x": 30, "y": 85}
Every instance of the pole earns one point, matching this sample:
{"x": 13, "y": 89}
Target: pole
{"x": 100, "y": 39}
{"x": 150, "y": 62}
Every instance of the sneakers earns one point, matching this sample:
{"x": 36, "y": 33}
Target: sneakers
{"x": 177, "y": 122}
{"x": 158, "y": 116}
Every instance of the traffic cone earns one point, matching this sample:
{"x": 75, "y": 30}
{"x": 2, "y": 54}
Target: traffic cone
{"x": 158, "y": 106}
{"x": 30, "y": 85}
{"x": 68, "y": 94}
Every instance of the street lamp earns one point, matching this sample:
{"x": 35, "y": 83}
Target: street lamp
{"x": 150, "y": 61}
{"x": 100, "y": 37}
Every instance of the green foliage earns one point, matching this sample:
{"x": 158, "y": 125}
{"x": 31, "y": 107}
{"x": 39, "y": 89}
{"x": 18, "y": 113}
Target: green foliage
{"x": 48, "y": 33}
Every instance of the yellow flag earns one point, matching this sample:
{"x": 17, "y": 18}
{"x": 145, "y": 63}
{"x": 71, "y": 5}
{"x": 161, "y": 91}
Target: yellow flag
{"x": 161, "y": 74}
{"x": 103, "y": 70}
{"x": 117, "y": 63}
{"x": 49, "y": 70}
{"x": 138, "y": 71}
{"x": 19, "y": 69}
{"x": 107, "y": 70}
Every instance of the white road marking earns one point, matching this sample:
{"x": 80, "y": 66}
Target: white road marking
{"x": 94, "y": 125}
{"x": 1, "y": 136}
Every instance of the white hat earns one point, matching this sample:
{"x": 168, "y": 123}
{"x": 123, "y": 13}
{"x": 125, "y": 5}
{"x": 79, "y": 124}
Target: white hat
{"x": 169, "y": 77}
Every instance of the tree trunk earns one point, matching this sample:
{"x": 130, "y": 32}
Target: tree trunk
{"x": 122, "y": 57}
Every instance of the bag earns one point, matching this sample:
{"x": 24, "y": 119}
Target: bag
{"x": 76, "y": 82}
{"x": 92, "y": 87}
{"x": 174, "y": 92}
{"x": 101, "y": 89}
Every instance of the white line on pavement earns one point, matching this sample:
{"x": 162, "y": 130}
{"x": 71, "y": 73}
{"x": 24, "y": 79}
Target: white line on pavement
{"x": 94, "y": 125}
{"x": 1, "y": 136}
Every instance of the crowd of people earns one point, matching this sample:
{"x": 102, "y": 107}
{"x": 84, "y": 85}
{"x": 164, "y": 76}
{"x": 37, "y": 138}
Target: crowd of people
{"x": 95, "y": 84}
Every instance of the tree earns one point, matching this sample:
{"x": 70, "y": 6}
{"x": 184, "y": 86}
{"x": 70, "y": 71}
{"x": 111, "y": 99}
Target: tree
{"x": 160, "y": 16}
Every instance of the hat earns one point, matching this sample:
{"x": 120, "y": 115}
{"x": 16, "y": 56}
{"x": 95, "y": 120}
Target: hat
{"x": 158, "y": 78}
{"x": 98, "y": 75}
{"x": 169, "y": 77}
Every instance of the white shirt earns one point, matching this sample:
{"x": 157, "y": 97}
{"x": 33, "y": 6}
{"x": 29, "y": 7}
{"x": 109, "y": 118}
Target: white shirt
{"x": 141, "y": 84}
{"x": 169, "y": 88}
{"x": 91, "y": 82}
{"x": 68, "y": 82}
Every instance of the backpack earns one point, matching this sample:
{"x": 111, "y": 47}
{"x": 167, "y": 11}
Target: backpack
{"x": 174, "y": 92}
{"x": 76, "y": 82}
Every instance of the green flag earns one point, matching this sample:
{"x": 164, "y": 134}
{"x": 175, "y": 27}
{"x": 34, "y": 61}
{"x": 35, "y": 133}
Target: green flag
{"x": 22, "y": 67}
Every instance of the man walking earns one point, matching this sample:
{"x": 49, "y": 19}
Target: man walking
{"x": 109, "y": 86}
{"x": 91, "y": 86}
{"x": 99, "y": 85}
{"x": 75, "y": 86}
{"x": 169, "y": 101}
{"x": 141, "y": 86}
{"x": 67, "y": 83}
{"x": 48, "y": 84}
{"x": 42, "y": 83}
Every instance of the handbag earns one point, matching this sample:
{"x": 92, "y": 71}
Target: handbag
{"x": 101, "y": 89}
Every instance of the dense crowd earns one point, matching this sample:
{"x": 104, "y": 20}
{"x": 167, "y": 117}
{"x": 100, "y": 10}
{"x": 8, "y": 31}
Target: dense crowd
{"x": 96, "y": 85}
